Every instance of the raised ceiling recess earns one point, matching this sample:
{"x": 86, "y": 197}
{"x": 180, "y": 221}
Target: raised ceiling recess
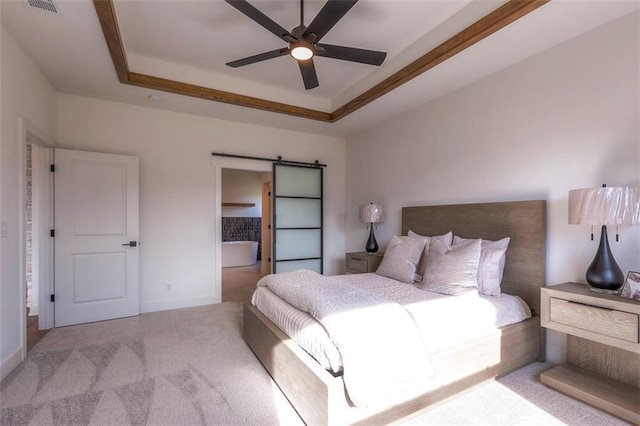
{"x": 304, "y": 42}
{"x": 489, "y": 24}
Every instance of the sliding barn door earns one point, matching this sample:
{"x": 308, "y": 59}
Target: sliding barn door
{"x": 297, "y": 211}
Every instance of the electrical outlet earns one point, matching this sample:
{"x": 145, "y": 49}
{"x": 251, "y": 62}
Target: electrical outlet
{"x": 167, "y": 286}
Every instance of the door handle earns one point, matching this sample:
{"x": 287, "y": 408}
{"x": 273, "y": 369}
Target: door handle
{"x": 131, "y": 244}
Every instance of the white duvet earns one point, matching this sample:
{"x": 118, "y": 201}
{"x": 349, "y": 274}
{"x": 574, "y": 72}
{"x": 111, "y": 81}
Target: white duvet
{"x": 443, "y": 321}
{"x": 383, "y": 354}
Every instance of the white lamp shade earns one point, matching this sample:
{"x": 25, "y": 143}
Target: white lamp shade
{"x": 615, "y": 205}
{"x": 371, "y": 213}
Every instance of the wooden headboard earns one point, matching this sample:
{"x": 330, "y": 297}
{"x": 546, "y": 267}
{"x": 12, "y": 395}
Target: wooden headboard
{"x": 524, "y": 221}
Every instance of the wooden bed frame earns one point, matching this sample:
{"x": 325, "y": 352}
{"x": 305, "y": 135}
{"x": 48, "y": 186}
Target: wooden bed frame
{"x": 319, "y": 397}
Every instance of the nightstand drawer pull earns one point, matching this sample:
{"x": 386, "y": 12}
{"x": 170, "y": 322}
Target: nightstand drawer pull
{"x": 605, "y": 321}
{"x": 591, "y": 306}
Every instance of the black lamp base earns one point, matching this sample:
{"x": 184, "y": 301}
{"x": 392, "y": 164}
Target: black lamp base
{"x": 372, "y": 244}
{"x": 604, "y": 275}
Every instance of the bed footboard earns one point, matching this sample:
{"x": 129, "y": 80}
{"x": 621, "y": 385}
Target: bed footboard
{"x": 320, "y": 399}
{"x": 307, "y": 386}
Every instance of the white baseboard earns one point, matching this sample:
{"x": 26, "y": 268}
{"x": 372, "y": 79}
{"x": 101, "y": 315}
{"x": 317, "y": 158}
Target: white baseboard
{"x": 10, "y": 363}
{"x": 187, "y": 302}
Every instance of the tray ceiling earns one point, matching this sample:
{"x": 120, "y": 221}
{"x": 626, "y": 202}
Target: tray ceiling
{"x": 176, "y": 51}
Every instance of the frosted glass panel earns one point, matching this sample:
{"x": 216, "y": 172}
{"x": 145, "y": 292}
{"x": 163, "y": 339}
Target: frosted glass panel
{"x": 297, "y": 207}
{"x": 298, "y": 213}
{"x": 313, "y": 264}
{"x": 298, "y": 182}
{"x": 298, "y": 243}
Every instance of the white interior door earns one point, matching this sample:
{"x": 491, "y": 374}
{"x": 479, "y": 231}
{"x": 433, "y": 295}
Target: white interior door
{"x": 96, "y": 232}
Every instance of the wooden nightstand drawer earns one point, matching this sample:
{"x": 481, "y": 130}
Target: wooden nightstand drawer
{"x": 357, "y": 265}
{"x": 361, "y": 262}
{"x": 608, "y": 322}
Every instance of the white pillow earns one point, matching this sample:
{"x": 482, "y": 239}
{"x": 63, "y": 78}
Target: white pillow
{"x": 492, "y": 259}
{"x": 446, "y": 239}
{"x": 455, "y": 265}
{"x": 400, "y": 258}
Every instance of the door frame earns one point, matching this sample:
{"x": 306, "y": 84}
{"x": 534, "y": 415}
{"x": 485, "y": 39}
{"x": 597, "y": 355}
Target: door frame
{"x": 265, "y": 230}
{"x": 219, "y": 163}
{"x": 30, "y": 133}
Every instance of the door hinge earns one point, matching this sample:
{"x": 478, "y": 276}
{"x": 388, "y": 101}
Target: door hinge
{"x": 268, "y": 226}
{"x": 269, "y": 260}
{"x": 269, "y": 193}
{"x": 52, "y": 233}
{"x": 53, "y": 297}
{"x": 52, "y": 168}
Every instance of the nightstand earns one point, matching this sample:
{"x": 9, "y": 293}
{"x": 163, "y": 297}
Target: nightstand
{"x": 362, "y": 262}
{"x": 603, "y": 348}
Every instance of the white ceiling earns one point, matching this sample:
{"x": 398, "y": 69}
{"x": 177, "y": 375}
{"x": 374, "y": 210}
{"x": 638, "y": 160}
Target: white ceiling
{"x": 190, "y": 42}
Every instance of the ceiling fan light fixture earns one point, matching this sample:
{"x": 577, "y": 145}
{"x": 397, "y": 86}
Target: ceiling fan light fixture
{"x": 303, "y": 42}
{"x": 301, "y": 51}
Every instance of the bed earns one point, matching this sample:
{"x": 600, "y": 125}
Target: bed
{"x": 319, "y": 396}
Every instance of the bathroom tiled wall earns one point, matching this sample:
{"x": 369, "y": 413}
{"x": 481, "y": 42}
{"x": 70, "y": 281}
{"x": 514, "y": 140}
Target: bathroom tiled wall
{"x": 243, "y": 229}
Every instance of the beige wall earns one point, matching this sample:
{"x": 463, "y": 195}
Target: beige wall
{"x": 25, "y": 93}
{"x": 178, "y": 220}
{"x": 566, "y": 118}
{"x": 241, "y": 186}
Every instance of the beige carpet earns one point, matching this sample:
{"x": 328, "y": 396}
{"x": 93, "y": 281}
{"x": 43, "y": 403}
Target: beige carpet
{"x": 191, "y": 366}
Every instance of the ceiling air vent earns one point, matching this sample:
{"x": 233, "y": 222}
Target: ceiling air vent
{"x": 46, "y": 5}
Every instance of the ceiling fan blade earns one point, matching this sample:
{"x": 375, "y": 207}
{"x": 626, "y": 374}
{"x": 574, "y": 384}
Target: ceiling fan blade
{"x": 259, "y": 57}
{"x": 309, "y": 76}
{"x": 329, "y": 15}
{"x": 364, "y": 56}
{"x": 262, "y": 19}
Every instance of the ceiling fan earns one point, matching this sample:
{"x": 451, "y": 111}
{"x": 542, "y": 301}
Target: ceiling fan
{"x": 303, "y": 42}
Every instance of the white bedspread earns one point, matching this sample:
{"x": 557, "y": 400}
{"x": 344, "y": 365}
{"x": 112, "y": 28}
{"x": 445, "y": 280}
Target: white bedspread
{"x": 443, "y": 321}
{"x": 383, "y": 355}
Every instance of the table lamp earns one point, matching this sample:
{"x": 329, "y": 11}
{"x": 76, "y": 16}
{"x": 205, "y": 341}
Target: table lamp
{"x": 371, "y": 213}
{"x": 604, "y": 206}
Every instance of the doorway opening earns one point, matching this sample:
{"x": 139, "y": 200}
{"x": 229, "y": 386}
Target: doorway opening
{"x": 37, "y": 197}
{"x": 34, "y": 334}
{"x": 246, "y": 233}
